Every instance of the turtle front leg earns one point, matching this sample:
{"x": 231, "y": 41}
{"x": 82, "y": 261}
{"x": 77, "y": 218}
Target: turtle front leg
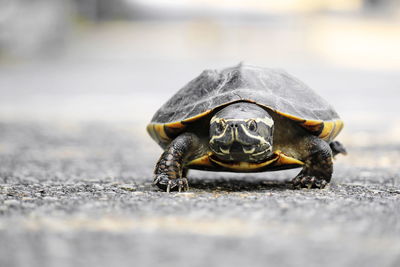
{"x": 318, "y": 166}
{"x": 170, "y": 172}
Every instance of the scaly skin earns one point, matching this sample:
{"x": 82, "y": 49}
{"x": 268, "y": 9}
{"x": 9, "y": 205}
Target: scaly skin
{"x": 318, "y": 166}
{"x": 170, "y": 173}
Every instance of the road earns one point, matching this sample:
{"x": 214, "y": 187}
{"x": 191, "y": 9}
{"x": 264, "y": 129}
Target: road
{"x": 81, "y": 195}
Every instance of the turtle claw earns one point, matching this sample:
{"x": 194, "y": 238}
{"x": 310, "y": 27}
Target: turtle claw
{"x": 183, "y": 184}
{"x": 159, "y": 178}
{"x": 177, "y": 184}
{"x": 308, "y": 181}
{"x": 169, "y": 187}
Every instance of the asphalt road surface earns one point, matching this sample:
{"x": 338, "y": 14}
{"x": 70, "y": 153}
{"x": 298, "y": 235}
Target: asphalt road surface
{"x": 81, "y": 195}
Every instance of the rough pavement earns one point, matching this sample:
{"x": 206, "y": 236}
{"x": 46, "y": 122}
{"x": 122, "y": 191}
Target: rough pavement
{"x": 80, "y": 194}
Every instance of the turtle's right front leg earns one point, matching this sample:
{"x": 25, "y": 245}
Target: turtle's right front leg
{"x": 169, "y": 173}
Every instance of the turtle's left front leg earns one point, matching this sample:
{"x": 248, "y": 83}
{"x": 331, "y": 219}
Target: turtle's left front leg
{"x": 170, "y": 172}
{"x": 318, "y": 165}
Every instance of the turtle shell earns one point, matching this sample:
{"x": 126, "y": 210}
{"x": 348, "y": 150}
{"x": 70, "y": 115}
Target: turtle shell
{"x": 273, "y": 89}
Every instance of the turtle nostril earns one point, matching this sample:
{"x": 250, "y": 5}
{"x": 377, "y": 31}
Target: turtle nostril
{"x": 234, "y": 125}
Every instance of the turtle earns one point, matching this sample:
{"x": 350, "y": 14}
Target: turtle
{"x": 245, "y": 119}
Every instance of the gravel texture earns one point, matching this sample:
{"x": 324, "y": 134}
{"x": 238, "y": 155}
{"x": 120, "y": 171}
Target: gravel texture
{"x": 80, "y": 195}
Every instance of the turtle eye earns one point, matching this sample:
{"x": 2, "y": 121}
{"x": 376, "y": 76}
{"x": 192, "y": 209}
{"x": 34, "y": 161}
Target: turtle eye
{"x": 252, "y": 125}
{"x": 220, "y": 127}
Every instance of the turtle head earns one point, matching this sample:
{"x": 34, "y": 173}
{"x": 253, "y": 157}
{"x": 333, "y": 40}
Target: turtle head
{"x": 242, "y": 132}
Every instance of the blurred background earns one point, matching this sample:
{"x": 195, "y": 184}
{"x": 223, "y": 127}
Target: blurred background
{"x": 120, "y": 60}
{"x": 80, "y": 79}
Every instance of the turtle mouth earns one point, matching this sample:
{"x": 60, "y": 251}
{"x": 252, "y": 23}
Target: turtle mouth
{"x": 236, "y": 148}
{"x": 246, "y": 153}
{"x": 265, "y": 152}
{"x": 215, "y": 158}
